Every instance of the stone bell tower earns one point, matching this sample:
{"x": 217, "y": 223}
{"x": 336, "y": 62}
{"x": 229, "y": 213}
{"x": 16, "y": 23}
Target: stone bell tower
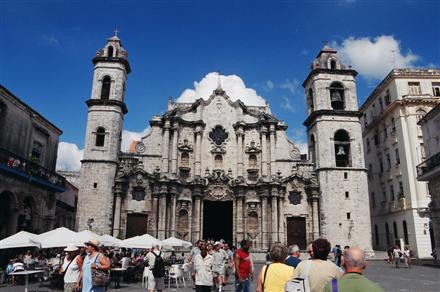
{"x": 335, "y": 147}
{"x": 106, "y": 110}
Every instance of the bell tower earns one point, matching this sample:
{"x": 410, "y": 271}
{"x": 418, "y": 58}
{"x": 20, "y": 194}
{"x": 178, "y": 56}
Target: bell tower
{"x": 106, "y": 110}
{"x": 335, "y": 147}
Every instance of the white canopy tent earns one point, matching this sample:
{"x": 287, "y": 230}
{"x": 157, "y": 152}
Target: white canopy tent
{"x": 60, "y": 237}
{"x": 20, "y": 239}
{"x": 109, "y": 240}
{"x": 86, "y": 235}
{"x": 142, "y": 241}
{"x": 176, "y": 243}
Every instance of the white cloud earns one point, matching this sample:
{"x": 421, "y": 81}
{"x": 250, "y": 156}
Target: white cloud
{"x": 270, "y": 84}
{"x": 129, "y": 136}
{"x": 290, "y": 85}
{"x": 303, "y": 148}
{"x": 375, "y": 58}
{"x": 287, "y": 105}
{"x": 69, "y": 157}
{"x": 51, "y": 40}
{"x": 232, "y": 84}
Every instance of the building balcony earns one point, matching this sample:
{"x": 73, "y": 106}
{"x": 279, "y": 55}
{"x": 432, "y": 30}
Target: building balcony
{"x": 27, "y": 170}
{"x": 429, "y": 168}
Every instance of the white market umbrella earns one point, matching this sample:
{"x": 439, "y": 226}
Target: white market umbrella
{"x": 142, "y": 241}
{"x": 176, "y": 242}
{"x": 59, "y": 237}
{"x": 108, "y": 240}
{"x": 20, "y": 239}
{"x": 86, "y": 235}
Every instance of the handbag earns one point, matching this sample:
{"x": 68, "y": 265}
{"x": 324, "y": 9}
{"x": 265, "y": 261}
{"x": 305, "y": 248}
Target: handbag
{"x": 99, "y": 277}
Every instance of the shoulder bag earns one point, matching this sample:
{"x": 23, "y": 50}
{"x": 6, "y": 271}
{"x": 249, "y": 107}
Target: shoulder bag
{"x": 99, "y": 277}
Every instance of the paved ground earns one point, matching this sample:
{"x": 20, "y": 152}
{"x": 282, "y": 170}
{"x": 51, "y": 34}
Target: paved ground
{"x": 417, "y": 279}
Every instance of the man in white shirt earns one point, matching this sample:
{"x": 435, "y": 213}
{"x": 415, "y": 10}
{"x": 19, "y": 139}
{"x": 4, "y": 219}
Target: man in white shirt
{"x": 203, "y": 270}
{"x": 219, "y": 255}
{"x": 153, "y": 281}
{"x": 125, "y": 262}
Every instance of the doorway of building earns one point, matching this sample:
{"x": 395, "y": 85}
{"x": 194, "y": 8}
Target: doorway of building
{"x": 137, "y": 224}
{"x": 296, "y": 231}
{"x": 217, "y": 220}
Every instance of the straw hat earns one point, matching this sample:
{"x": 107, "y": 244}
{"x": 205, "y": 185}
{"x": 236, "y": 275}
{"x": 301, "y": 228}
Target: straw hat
{"x": 71, "y": 247}
{"x": 93, "y": 242}
{"x": 217, "y": 243}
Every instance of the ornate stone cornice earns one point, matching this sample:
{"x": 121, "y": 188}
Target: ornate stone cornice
{"x": 342, "y": 113}
{"x": 107, "y": 102}
{"x": 113, "y": 60}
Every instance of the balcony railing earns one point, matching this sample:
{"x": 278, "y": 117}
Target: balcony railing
{"x": 30, "y": 171}
{"x": 428, "y": 165}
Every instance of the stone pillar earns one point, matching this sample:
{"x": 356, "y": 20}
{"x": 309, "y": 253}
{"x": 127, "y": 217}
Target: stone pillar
{"x": 272, "y": 150}
{"x": 240, "y": 133}
{"x": 162, "y": 216}
{"x": 264, "y": 224}
{"x": 281, "y": 220}
{"x": 198, "y": 152}
{"x": 315, "y": 217}
{"x": 155, "y": 215}
{"x": 173, "y": 214}
{"x": 165, "y": 147}
{"x": 264, "y": 167}
{"x": 174, "y": 149}
{"x": 196, "y": 219}
{"x": 117, "y": 214}
{"x": 240, "y": 231}
{"x": 274, "y": 221}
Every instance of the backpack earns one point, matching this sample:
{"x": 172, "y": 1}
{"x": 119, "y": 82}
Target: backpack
{"x": 159, "y": 266}
{"x": 301, "y": 283}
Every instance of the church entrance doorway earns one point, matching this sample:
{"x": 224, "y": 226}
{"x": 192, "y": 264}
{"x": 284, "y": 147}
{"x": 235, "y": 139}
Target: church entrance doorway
{"x": 137, "y": 224}
{"x": 296, "y": 231}
{"x": 217, "y": 220}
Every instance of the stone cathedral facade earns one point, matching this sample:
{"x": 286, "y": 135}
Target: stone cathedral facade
{"x": 221, "y": 169}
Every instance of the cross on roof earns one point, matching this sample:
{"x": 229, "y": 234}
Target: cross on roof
{"x": 116, "y": 32}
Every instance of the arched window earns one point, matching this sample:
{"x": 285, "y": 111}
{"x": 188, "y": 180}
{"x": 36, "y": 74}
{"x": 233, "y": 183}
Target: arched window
{"x": 218, "y": 161}
{"x": 376, "y": 234}
{"x": 110, "y": 51}
{"x": 312, "y": 152}
{"x": 105, "y": 91}
{"x": 387, "y": 231}
{"x": 310, "y": 98}
{"x": 184, "y": 159}
{"x": 342, "y": 148}
{"x": 332, "y": 64}
{"x": 252, "y": 160}
{"x": 100, "y": 137}
{"x": 405, "y": 232}
{"x": 337, "y": 96}
{"x": 396, "y": 235}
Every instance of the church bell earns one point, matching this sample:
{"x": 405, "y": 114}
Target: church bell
{"x": 341, "y": 151}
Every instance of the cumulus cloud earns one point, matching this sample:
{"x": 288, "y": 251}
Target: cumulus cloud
{"x": 129, "y": 136}
{"x": 232, "y": 84}
{"x": 374, "y": 58}
{"x": 69, "y": 157}
{"x": 270, "y": 84}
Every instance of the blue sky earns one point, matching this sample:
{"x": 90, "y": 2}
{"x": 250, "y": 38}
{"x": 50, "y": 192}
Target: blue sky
{"x": 46, "y": 49}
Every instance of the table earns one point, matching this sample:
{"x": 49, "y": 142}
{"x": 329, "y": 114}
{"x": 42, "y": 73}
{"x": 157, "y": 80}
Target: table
{"x": 26, "y": 274}
{"x": 115, "y": 275}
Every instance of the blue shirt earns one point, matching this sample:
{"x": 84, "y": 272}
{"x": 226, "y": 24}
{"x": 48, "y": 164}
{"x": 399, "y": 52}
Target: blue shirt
{"x": 292, "y": 261}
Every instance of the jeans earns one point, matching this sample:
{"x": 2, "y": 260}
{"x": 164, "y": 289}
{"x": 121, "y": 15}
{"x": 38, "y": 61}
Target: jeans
{"x": 244, "y": 286}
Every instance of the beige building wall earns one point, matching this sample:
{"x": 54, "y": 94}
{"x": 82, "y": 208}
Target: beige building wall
{"x": 394, "y": 146}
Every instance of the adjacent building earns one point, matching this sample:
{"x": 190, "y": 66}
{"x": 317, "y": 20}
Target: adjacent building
{"x": 394, "y": 146}
{"x": 215, "y": 168}
{"x": 429, "y": 169}
{"x": 28, "y": 182}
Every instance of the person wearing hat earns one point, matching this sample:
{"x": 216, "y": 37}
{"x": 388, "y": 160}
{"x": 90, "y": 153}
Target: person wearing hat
{"x": 71, "y": 268}
{"x": 218, "y": 266}
{"x": 93, "y": 260}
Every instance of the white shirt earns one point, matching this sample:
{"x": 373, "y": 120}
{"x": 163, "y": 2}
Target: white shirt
{"x": 203, "y": 268}
{"x": 72, "y": 272}
{"x": 125, "y": 262}
{"x": 152, "y": 258}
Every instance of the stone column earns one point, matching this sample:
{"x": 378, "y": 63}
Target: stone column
{"x": 264, "y": 223}
{"x": 239, "y": 133}
{"x": 263, "y": 132}
{"x": 198, "y": 152}
{"x": 315, "y": 217}
{"x": 239, "y": 218}
{"x": 155, "y": 215}
{"x": 117, "y": 214}
{"x": 165, "y": 147}
{"x": 281, "y": 220}
{"x": 274, "y": 221}
{"x": 174, "y": 149}
{"x": 196, "y": 219}
{"x": 162, "y": 216}
{"x": 173, "y": 214}
{"x": 272, "y": 150}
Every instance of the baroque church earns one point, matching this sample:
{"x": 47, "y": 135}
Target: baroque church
{"x": 217, "y": 169}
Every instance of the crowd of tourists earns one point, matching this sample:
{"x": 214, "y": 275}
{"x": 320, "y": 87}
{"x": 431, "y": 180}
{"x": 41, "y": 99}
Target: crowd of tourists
{"x": 396, "y": 256}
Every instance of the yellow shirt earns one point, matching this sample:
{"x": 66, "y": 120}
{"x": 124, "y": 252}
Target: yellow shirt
{"x": 276, "y": 277}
